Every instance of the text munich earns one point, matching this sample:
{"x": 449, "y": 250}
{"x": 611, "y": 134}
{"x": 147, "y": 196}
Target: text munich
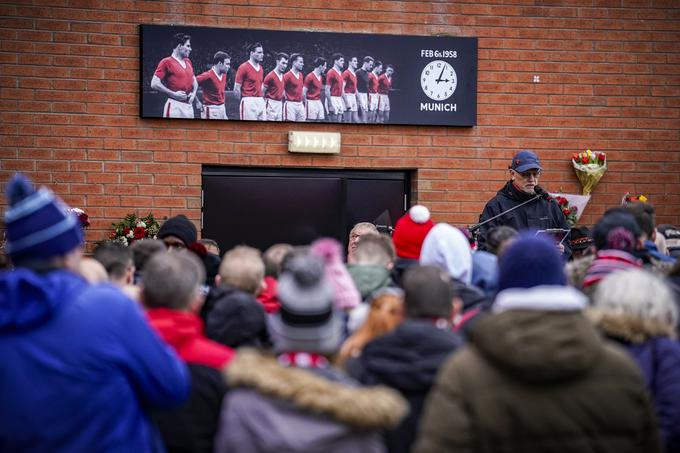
{"x": 437, "y": 107}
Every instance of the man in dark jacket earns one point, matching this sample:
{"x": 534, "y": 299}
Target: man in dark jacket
{"x": 408, "y": 358}
{"x": 536, "y": 376}
{"x": 539, "y": 214}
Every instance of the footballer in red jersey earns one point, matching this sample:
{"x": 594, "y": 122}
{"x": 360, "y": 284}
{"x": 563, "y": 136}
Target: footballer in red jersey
{"x": 349, "y": 94}
{"x": 248, "y": 85}
{"x": 373, "y": 92}
{"x": 384, "y": 86}
{"x": 293, "y": 81}
{"x": 311, "y": 91}
{"x": 174, "y": 77}
{"x": 274, "y": 90}
{"x": 335, "y": 86}
{"x": 213, "y": 83}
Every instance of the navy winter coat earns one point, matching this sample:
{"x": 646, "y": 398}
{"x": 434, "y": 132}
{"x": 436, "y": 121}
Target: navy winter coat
{"x": 658, "y": 356}
{"x": 540, "y": 214}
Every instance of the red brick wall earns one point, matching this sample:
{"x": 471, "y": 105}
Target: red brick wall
{"x": 609, "y": 80}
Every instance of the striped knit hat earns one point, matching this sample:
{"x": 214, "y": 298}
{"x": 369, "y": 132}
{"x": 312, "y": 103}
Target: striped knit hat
{"x": 608, "y": 261}
{"x": 38, "y": 223}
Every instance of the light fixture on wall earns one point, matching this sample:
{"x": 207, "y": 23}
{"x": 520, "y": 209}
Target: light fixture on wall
{"x": 314, "y": 142}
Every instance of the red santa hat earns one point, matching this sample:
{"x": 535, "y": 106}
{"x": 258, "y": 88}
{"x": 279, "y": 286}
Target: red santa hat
{"x": 410, "y": 231}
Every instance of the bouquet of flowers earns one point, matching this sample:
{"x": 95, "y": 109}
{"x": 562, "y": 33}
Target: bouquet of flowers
{"x": 572, "y": 205}
{"x": 82, "y": 217}
{"x": 570, "y": 212}
{"x": 628, "y": 198}
{"x": 133, "y": 228}
{"x": 589, "y": 167}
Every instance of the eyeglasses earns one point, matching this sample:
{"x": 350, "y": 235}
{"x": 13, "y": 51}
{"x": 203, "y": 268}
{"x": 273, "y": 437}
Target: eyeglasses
{"x": 529, "y": 173}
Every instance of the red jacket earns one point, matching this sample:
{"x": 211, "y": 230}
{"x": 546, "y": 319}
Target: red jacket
{"x": 269, "y": 296}
{"x": 184, "y": 332}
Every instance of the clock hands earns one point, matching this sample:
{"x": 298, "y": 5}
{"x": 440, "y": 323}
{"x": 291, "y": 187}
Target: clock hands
{"x": 439, "y": 79}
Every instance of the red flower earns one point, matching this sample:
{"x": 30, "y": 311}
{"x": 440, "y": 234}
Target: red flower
{"x": 585, "y": 159}
{"x": 139, "y": 233}
{"x": 573, "y": 209}
{"x": 566, "y": 211}
{"x": 126, "y": 230}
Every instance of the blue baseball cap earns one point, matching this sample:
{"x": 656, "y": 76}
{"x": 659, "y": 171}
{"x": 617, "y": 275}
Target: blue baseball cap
{"x": 525, "y": 160}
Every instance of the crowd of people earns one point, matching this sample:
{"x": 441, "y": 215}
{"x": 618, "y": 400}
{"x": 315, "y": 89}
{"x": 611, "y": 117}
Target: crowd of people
{"x": 419, "y": 341}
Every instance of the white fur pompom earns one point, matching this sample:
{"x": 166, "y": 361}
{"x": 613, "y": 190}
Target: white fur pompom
{"x": 419, "y": 213}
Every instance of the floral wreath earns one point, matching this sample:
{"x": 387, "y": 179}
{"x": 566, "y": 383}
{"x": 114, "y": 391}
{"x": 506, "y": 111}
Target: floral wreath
{"x": 133, "y": 228}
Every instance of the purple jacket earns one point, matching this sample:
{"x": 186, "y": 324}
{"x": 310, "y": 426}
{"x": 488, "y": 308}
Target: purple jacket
{"x": 658, "y": 356}
{"x": 659, "y": 359}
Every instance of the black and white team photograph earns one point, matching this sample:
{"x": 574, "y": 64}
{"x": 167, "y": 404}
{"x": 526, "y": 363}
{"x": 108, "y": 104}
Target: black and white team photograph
{"x": 261, "y": 75}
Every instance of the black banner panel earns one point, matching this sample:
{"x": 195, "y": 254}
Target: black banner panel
{"x": 262, "y": 75}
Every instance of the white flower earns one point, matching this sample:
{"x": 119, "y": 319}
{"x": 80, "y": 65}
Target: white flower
{"x": 141, "y": 224}
{"x": 124, "y": 240}
{"x": 131, "y": 234}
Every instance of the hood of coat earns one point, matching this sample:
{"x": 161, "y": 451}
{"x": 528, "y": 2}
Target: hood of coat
{"x": 368, "y": 278}
{"x": 361, "y": 407}
{"x": 176, "y": 328}
{"x": 535, "y": 341}
{"x": 628, "y": 328}
{"x": 409, "y": 357}
{"x": 447, "y": 248}
{"x": 27, "y": 299}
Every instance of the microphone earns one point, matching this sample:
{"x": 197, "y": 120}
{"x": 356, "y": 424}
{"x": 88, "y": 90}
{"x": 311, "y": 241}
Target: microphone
{"x": 538, "y": 190}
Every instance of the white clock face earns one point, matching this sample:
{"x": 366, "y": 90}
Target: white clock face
{"x": 438, "y": 80}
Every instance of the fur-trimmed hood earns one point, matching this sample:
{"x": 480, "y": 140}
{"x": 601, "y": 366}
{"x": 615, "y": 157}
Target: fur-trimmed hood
{"x": 627, "y": 327}
{"x": 364, "y": 408}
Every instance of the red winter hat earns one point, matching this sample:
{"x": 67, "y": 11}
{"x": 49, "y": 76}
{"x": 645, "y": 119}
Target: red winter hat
{"x": 410, "y": 231}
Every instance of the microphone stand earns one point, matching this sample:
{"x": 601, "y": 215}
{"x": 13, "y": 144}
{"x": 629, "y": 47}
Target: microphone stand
{"x": 473, "y": 228}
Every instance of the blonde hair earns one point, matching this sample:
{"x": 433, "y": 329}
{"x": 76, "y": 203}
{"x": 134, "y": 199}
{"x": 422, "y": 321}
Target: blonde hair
{"x": 637, "y": 293}
{"x": 242, "y": 268}
{"x": 386, "y": 313}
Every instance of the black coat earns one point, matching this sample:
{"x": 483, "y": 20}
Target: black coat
{"x": 540, "y": 214}
{"x": 192, "y": 427}
{"x": 406, "y": 359}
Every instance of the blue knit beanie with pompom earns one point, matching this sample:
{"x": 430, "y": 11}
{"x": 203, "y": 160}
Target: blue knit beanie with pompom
{"x": 38, "y": 223}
